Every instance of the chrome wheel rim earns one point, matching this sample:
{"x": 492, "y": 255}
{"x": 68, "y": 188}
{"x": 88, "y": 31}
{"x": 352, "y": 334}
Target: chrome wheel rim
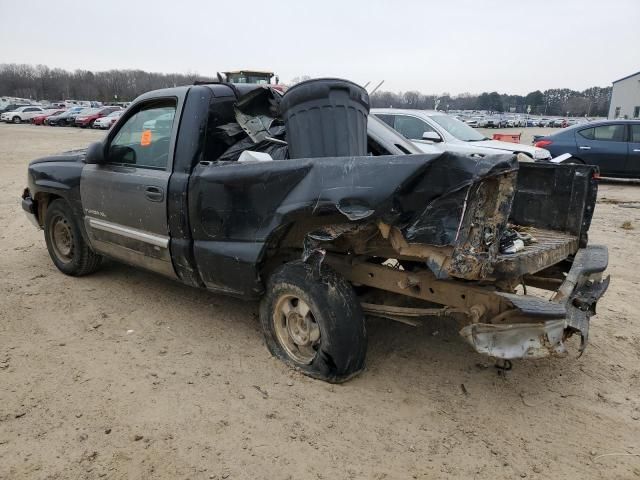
{"x": 296, "y": 328}
{"x": 62, "y": 239}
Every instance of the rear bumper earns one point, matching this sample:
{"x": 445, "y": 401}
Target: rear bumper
{"x": 543, "y": 326}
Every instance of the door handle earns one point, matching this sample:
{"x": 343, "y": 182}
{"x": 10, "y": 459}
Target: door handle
{"x": 155, "y": 194}
{"x": 585, "y": 148}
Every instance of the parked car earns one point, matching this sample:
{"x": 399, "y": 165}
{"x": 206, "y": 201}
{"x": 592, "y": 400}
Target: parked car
{"x": 163, "y": 119}
{"x": 612, "y": 145}
{"x": 66, "y": 118}
{"x": 86, "y": 118}
{"x": 21, "y": 114}
{"x": 482, "y": 122}
{"x": 107, "y": 121}
{"x": 40, "y": 119}
{"x": 10, "y": 107}
{"x": 472, "y": 122}
{"x": 515, "y": 121}
{"x": 492, "y": 122}
{"x": 299, "y": 233}
{"x": 428, "y": 127}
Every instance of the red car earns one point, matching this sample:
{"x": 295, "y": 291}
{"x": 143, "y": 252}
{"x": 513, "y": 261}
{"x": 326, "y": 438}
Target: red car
{"x": 40, "y": 119}
{"x": 87, "y": 118}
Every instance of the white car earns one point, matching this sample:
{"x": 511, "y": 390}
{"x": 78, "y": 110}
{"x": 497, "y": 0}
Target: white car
{"x": 162, "y": 119}
{"x": 107, "y": 122}
{"x": 21, "y": 114}
{"x": 515, "y": 121}
{"x": 432, "y": 128}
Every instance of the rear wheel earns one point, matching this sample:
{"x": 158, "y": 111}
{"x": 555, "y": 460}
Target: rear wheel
{"x": 67, "y": 248}
{"x": 313, "y": 322}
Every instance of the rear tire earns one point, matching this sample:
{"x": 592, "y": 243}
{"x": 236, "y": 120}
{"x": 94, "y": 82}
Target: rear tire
{"x": 313, "y": 322}
{"x": 67, "y": 247}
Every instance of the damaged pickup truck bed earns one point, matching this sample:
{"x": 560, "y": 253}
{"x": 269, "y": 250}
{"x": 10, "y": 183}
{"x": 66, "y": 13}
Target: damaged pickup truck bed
{"x": 324, "y": 241}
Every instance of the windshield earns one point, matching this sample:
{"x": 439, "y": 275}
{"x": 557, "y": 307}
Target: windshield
{"x": 458, "y": 129}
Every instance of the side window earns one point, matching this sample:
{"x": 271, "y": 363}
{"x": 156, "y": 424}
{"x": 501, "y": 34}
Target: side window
{"x": 388, "y": 119}
{"x": 411, "y": 127}
{"x": 586, "y": 133}
{"x": 609, "y": 133}
{"x": 635, "y": 133}
{"x": 143, "y": 140}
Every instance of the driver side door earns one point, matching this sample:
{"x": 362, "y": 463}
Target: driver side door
{"x": 125, "y": 198}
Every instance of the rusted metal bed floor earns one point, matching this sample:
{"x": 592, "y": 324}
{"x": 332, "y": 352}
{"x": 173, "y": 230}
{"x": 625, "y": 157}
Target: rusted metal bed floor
{"x": 550, "y": 248}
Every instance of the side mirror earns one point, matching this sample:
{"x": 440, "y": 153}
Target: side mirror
{"x": 95, "y": 154}
{"x": 431, "y": 136}
{"x": 122, "y": 154}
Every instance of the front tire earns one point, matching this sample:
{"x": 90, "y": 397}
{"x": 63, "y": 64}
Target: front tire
{"x": 67, "y": 247}
{"x": 16, "y": 119}
{"x": 313, "y": 322}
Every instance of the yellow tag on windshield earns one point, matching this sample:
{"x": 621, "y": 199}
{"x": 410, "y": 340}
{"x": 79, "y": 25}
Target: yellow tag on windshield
{"x": 145, "y": 138}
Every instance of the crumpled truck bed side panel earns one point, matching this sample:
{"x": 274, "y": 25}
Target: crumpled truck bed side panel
{"x": 237, "y": 208}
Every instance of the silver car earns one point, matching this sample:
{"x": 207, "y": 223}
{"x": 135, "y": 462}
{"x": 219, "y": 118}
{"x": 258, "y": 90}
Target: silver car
{"x": 432, "y": 128}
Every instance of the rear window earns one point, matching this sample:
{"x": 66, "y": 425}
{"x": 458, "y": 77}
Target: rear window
{"x": 635, "y": 133}
{"x": 586, "y": 133}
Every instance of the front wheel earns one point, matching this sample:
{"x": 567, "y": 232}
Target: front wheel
{"x": 313, "y": 322}
{"x": 16, "y": 119}
{"x": 67, "y": 248}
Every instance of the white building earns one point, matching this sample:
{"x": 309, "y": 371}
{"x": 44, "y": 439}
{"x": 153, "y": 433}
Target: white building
{"x": 625, "y": 97}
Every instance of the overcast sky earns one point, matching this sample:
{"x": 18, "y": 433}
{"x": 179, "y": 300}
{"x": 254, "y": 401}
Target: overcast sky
{"x": 450, "y": 46}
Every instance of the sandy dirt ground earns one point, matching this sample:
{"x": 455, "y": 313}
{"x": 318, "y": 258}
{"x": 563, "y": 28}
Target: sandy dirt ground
{"x": 123, "y": 374}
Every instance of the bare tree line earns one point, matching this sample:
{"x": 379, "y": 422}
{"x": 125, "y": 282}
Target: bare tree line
{"x": 43, "y": 83}
{"x": 591, "y": 102}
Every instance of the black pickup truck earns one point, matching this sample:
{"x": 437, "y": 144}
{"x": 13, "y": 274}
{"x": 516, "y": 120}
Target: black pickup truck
{"x": 324, "y": 241}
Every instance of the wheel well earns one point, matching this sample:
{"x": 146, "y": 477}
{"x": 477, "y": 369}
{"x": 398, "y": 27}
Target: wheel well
{"x": 43, "y": 200}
